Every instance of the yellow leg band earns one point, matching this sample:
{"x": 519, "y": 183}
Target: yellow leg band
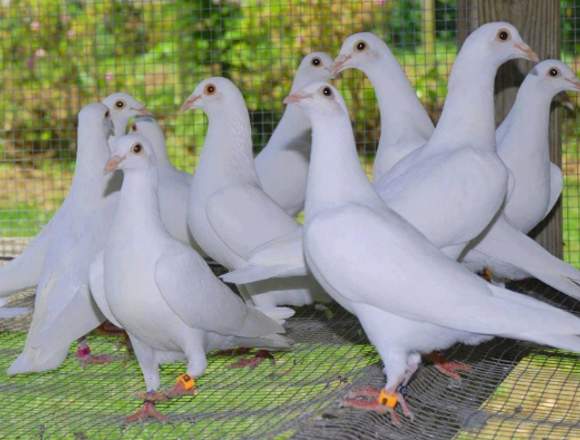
{"x": 387, "y": 399}
{"x": 186, "y": 381}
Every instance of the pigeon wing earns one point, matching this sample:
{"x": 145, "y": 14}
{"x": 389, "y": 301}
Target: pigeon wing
{"x": 380, "y": 260}
{"x": 200, "y": 300}
{"x": 244, "y": 217}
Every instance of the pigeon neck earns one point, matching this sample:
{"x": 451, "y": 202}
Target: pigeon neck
{"x": 92, "y": 155}
{"x": 528, "y": 122}
{"x": 139, "y": 203}
{"x": 335, "y": 176}
{"x": 120, "y": 125}
{"x": 155, "y": 135}
{"x": 468, "y": 117}
{"x": 292, "y": 125}
{"x": 403, "y": 117}
{"x": 227, "y": 152}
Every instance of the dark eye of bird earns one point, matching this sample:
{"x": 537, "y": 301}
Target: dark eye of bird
{"x": 210, "y": 89}
{"x": 503, "y": 35}
{"x": 316, "y": 61}
{"x": 119, "y": 104}
{"x": 134, "y": 127}
{"x": 554, "y": 72}
{"x": 137, "y": 148}
{"x": 327, "y": 91}
{"x": 361, "y": 45}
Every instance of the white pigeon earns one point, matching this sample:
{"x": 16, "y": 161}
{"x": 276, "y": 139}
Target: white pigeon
{"x": 173, "y": 184}
{"x": 408, "y": 296}
{"x": 452, "y": 187}
{"x": 405, "y": 125}
{"x": 124, "y": 107}
{"x": 229, "y": 213}
{"x": 162, "y": 292}
{"x": 523, "y": 145}
{"x": 282, "y": 165}
{"x": 504, "y": 251}
{"x": 368, "y": 53}
{"x": 64, "y": 310}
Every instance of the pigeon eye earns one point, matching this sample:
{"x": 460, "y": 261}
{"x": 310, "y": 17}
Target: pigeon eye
{"x": 210, "y": 89}
{"x": 327, "y": 91}
{"x": 137, "y": 148}
{"x": 119, "y": 104}
{"x": 134, "y": 127}
{"x": 503, "y": 35}
{"x": 554, "y": 72}
{"x": 360, "y": 46}
{"x": 316, "y": 62}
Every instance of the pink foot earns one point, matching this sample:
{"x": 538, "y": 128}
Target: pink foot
{"x": 85, "y": 357}
{"x": 368, "y": 399}
{"x": 146, "y": 412}
{"x": 253, "y": 362}
{"x": 448, "y": 368}
{"x": 185, "y": 386}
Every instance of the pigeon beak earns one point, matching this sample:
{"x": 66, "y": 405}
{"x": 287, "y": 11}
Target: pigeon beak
{"x": 294, "y": 98}
{"x": 190, "y": 103}
{"x": 339, "y": 64}
{"x": 575, "y": 83}
{"x": 143, "y": 111}
{"x": 527, "y": 51}
{"x": 113, "y": 163}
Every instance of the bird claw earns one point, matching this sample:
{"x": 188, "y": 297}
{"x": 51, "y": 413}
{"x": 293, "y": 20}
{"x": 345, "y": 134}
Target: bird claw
{"x": 85, "y": 357}
{"x": 185, "y": 386}
{"x": 449, "y": 368}
{"x": 369, "y": 399}
{"x": 147, "y": 411}
{"x": 152, "y": 396}
{"x": 259, "y": 357}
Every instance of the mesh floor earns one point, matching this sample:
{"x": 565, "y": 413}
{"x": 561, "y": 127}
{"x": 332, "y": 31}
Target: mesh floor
{"x": 514, "y": 390}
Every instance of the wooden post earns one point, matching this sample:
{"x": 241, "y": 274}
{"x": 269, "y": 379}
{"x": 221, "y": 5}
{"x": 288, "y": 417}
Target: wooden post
{"x": 539, "y": 24}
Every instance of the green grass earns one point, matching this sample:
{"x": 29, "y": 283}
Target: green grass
{"x": 76, "y": 403}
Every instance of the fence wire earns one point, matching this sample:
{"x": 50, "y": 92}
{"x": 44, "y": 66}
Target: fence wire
{"x": 58, "y": 56}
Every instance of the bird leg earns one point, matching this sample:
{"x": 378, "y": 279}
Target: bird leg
{"x": 448, "y": 368}
{"x": 147, "y": 411}
{"x": 185, "y": 385}
{"x": 253, "y": 362}
{"x": 85, "y": 357}
{"x": 380, "y": 401}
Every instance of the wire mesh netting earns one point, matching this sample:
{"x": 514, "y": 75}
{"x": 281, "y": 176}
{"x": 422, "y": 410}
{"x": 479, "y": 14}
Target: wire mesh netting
{"x": 58, "y": 56}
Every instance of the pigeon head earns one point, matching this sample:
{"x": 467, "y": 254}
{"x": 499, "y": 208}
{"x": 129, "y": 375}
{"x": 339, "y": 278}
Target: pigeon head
{"x": 98, "y": 115}
{"x": 359, "y": 50}
{"x": 500, "y": 41}
{"x": 130, "y": 152}
{"x": 215, "y": 94}
{"x": 318, "y": 98}
{"x": 553, "y": 77}
{"x": 313, "y": 67}
{"x": 124, "y": 107}
{"x": 149, "y": 128}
